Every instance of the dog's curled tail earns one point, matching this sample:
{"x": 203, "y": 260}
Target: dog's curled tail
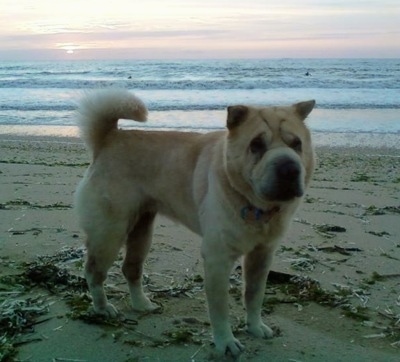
{"x": 100, "y": 110}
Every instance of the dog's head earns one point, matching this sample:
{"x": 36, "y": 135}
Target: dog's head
{"x": 268, "y": 152}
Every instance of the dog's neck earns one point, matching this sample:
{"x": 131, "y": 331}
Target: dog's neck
{"x": 251, "y": 213}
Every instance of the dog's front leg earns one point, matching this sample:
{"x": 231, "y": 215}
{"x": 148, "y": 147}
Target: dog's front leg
{"x": 218, "y": 267}
{"x": 256, "y": 267}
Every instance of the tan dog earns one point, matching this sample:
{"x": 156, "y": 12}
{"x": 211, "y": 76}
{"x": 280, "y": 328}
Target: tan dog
{"x": 237, "y": 188}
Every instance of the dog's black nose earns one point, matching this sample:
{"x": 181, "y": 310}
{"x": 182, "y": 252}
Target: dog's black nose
{"x": 287, "y": 181}
{"x": 287, "y": 170}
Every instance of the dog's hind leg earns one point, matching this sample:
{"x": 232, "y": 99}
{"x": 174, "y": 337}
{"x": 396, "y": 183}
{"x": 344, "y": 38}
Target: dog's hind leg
{"x": 256, "y": 268}
{"x": 137, "y": 247}
{"x": 103, "y": 246}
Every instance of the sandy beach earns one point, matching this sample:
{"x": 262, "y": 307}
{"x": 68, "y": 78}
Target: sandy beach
{"x": 334, "y": 294}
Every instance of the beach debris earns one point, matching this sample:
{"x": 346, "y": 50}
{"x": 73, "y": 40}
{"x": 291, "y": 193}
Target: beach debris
{"x": 52, "y": 277}
{"x": 64, "y": 255}
{"x": 377, "y": 335}
{"x": 376, "y": 277}
{"x": 34, "y": 231}
{"x": 7, "y": 349}
{"x": 44, "y": 163}
{"x": 190, "y": 286}
{"x": 192, "y": 357}
{"x": 23, "y": 204}
{"x": 307, "y": 262}
{"x": 277, "y": 277}
{"x": 361, "y": 177}
{"x": 299, "y": 290}
{"x": 339, "y": 249}
{"x": 395, "y": 344}
{"x": 328, "y": 230}
{"x": 375, "y": 210}
{"x": 379, "y": 233}
{"x": 331, "y": 228}
{"x": 184, "y": 336}
{"x": 393, "y": 329}
{"x": 302, "y": 264}
{"x": 18, "y": 316}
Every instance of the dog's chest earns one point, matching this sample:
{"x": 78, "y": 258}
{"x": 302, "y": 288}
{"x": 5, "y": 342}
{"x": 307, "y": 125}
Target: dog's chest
{"x": 243, "y": 237}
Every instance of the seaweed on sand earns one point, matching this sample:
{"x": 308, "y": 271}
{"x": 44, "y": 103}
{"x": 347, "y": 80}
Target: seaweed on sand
{"x": 18, "y": 316}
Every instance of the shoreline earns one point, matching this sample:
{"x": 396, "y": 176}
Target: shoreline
{"x": 386, "y": 142}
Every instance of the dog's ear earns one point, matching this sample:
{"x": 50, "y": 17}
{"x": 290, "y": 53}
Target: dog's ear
{"x": 236, "y": 115}
{"x": 303, "y": 109}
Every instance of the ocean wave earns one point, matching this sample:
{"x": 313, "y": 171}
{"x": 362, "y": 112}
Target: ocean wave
{"x": 204, "y": 75}
{"x": 189, "y": 84}
{"x": 189, "y": 107}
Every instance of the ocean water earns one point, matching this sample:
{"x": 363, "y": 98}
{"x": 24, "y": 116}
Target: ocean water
{"x": 356, "y": 98}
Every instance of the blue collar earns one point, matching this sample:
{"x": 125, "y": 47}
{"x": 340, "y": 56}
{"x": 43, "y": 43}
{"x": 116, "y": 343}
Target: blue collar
{"x": 251, "y": 213}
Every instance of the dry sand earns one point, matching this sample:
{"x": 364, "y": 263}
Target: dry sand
{"x": 346, "y": 236}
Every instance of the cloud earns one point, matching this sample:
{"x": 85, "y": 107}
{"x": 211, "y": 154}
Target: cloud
{"x": 195, "y": 27}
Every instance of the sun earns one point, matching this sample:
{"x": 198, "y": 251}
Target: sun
{"x": 69, "y": 48}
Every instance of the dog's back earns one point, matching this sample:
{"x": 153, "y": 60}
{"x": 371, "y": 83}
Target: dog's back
{"x": 135, "y": 171}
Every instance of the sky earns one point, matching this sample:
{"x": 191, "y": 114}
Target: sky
{"x": 181, "y": 29}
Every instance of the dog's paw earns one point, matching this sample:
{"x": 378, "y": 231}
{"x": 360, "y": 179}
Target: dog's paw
{"x": 260, "y": 330}
{"x": 230, "y": 346}
{"x": 144, "y": 304}
{"x": 109, "y": 311}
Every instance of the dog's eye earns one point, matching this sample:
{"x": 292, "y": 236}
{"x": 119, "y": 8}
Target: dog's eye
{"x": 296, "y": 144}
{"x": 258, "y": 146}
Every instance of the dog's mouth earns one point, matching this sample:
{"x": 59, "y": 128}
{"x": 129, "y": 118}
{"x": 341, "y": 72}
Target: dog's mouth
{"x": 285, "y": 192}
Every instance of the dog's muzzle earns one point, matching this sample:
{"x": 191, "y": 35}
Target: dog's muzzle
{"x": 287, "y": 181}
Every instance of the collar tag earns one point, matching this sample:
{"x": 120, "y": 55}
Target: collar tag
{"x": 251, "y": 213}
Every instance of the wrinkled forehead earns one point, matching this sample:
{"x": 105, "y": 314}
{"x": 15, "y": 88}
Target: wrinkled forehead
{"x": 280, "y": 121}
{"x": 273, "y": 117}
